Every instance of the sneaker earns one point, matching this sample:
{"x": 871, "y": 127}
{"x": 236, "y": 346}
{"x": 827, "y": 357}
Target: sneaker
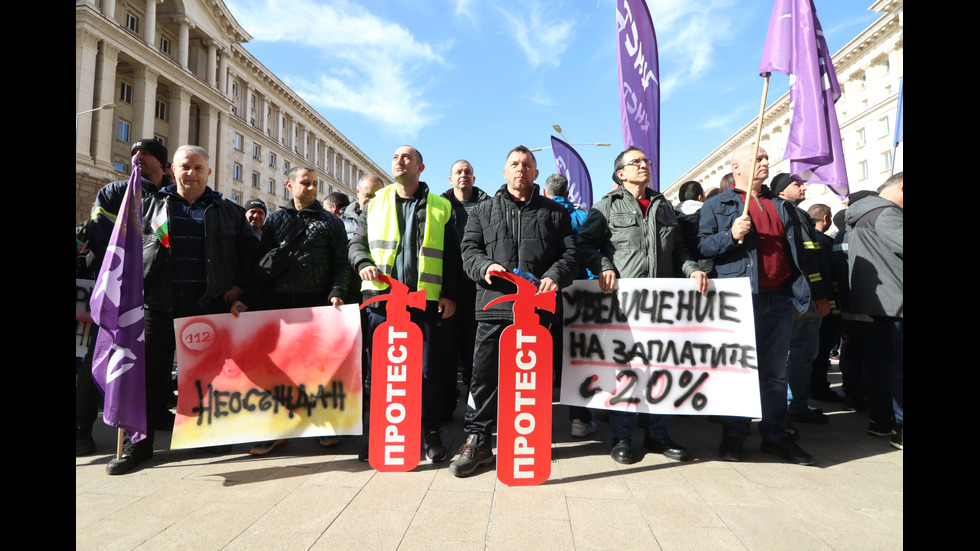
{"x": 897, "y": 437}
{"x": 328, "y": 441}
{"x": 132, "y": 455}
{"x": 471, "y": 456}
{"x": 265, "y": 448}
{"x": 788, "y": 450}
{"x": 879, "y": 428}
{"x": 580, "y": 429}
{"x": 435, "y": 452}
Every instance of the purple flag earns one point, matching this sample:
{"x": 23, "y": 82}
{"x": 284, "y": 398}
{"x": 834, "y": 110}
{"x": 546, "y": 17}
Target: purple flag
{"x": 639, "y": 81}
{"x": 571, "y": 166}
{"x": 118, "y": 361}
{"x": 795, "y": 46}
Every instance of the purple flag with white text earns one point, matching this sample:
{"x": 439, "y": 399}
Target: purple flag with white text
{"x": 118, "y": 361}
{"x": 571, "y": 166}
{"x": 795, "y": 45}
{"x": 639, "y": 81}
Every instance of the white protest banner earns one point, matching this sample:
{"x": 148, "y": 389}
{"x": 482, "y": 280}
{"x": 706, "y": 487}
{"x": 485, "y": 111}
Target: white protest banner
{"x": 268, "y": 375}
{"x": 658, "y": 346}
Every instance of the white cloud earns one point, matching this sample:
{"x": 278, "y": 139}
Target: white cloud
{"x": 696, "y": 30}
{"x": 541, "y": 36}
{"x": 367, "y": 65}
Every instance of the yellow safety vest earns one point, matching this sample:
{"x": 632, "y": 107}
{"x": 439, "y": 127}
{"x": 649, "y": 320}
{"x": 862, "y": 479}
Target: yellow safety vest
{"x": 383, "y": 240}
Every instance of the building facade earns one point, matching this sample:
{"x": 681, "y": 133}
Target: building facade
{"x": 869, "y": 69}
{"x": 175, "y": 70}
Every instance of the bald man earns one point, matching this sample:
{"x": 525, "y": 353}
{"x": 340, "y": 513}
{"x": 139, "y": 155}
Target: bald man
{"x": 770, "y": 255}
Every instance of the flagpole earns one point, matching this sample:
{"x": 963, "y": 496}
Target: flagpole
{"x": 120, "y": 436}
{"x": 755, "y": 151}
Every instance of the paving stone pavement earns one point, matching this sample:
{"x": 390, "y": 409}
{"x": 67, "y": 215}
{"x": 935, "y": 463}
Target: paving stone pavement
{"x": 306, "y": 497}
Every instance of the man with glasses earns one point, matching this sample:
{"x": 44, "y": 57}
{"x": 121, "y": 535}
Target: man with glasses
{"x": 633, "y": 232}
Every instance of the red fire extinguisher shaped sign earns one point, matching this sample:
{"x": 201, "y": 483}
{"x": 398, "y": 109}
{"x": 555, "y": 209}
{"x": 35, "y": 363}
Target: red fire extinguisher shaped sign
{"x": 524, "y": 390}
{"x": 396, "y": 382}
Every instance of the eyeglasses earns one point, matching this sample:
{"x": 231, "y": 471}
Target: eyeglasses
{"x": 640, "y": 162}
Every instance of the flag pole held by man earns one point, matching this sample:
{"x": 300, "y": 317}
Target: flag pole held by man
{"x": 118, "y": 365}
{"x": 795, "y": 45}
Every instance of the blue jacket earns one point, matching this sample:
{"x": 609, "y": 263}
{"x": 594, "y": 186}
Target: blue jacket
{"x": 733, "y": 260}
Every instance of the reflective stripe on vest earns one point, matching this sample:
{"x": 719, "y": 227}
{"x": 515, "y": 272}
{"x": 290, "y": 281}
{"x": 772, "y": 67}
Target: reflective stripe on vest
{"x": 383, "y": 240}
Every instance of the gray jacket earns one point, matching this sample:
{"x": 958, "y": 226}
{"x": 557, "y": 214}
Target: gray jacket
{"x": 616, "y": 236}
{"x": 875, "y": 257}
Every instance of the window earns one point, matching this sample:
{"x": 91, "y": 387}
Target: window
{"x": 256, "y": 151}
{"x": 122, "y": 131}
{"x": 285, "y": 167}
{"x": 236, "y": 172}
{"x": 121, "y": 167}
{"x": 272, "y": 185}
{"x": 864, "y": 169}
{"x": 165, "y": 45}
{"x": 252, "y": 99}
{"x": 238, "y": 142}
{"x": 861, "y": 138}
{"x": 285, "y": 193}
{"x": 255, "y": 180}
{"x": 161, "y": 111}
{"x": 272, "y": 159}
{"x": 132, "y": 22}
{"x": 885, "y": 127}
{"x": 125, "y": 92}
{"x": 234, "y": 88}
{"x": 886, "y": 159}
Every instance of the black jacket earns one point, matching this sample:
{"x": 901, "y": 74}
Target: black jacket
{"x": 230, "y": 248}
{"x": 536, "y": 237}
{"x": 318, "y": 270}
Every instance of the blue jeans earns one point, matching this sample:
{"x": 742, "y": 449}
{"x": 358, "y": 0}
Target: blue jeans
{"x": 621, "y": 424}
{"x": 799, "y": 364}
{"x": 773, "y": 331}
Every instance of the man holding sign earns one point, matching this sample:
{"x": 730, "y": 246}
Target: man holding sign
{"x": 766, "y": 245}
{"x": 633, "y": 232}
{"x": 407, "y": 234}
{"x": 518, "y": 228}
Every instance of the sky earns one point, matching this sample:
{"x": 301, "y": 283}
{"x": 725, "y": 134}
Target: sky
{"x": 471, "y": 79}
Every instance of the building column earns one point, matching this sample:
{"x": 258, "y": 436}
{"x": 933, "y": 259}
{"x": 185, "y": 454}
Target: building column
{"x": 109, "y": 9}
{"x": 223, "y": 72}
{"x": 209, "y": 141}
{"x": 105, "y": 90}
{"x": 180, "y": 114}
{"x": 301, "y": 142}
{"x": 144, "y": 102}
{"x": 86, "y": 54}
{"x": 212, "y": 68}
{"x": 150, "y": 23}
{"x": 183, "y": 41}
{"x": 261, "y": 107}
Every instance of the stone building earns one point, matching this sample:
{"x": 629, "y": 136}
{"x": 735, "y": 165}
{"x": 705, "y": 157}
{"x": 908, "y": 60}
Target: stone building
{"x": 175, "y": 70}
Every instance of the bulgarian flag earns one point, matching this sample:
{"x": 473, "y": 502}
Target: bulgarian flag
{"x": 161, "y": 227}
